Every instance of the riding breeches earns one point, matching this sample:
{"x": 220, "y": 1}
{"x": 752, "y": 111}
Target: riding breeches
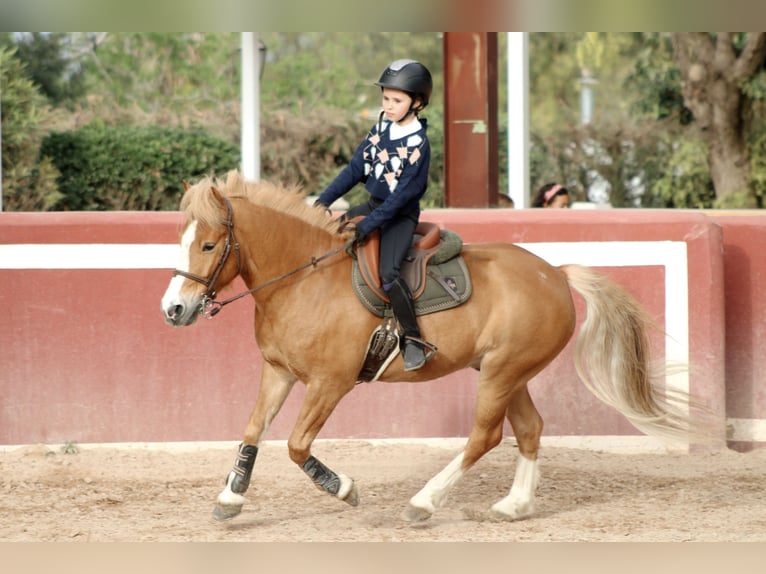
{"x": 395, "y": 240}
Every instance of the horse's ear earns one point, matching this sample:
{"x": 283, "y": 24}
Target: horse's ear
{"x": 217, "y": 194}
{"x": 186, "y": 185}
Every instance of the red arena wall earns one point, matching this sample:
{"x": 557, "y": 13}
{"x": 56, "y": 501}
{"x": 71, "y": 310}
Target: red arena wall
{"x": 87, "y": 356}
{"x": 744, "y": 236}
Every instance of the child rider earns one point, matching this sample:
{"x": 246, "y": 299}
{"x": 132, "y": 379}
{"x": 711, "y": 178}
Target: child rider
{"x": 393, "y": 162}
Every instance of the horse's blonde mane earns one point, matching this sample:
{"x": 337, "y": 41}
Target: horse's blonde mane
{"x": 199, "y": 202}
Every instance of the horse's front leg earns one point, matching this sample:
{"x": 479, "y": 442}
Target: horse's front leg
{"x": 275, "y": 386}
{"x": 318, "y": 405}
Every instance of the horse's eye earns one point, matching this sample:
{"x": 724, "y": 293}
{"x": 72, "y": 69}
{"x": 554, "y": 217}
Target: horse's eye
{"x": 208, "y": 247}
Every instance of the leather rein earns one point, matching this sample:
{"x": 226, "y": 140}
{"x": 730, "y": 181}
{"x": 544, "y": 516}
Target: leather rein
{"x": 209, "y": 307}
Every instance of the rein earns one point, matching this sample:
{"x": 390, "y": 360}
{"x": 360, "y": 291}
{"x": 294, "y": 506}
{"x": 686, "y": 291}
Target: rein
{"x": 209, "y": 307}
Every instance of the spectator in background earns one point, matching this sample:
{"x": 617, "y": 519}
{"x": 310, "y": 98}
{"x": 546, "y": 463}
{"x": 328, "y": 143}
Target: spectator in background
{"x": 551, "y": 195}
{"x": 505, "y": 201}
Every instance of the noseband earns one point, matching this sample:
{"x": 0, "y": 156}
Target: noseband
{"x": 209, "y": 282}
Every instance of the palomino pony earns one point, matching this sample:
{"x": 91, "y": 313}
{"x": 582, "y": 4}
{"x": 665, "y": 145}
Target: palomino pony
{"x": 520, "y": 315}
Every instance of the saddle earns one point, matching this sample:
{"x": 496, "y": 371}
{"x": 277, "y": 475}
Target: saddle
{"x": 433, "y": 269}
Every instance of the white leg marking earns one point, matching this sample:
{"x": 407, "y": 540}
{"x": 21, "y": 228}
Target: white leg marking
{"x": 434, "y": 493}
{"x": 228, "y": 498}
{"x": 520, "y": 502}
{"x": 347, "y": 491}
{"x": 346, "y": 484}
{"x": 172, "y": 294}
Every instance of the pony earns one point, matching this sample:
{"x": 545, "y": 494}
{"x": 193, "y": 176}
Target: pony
{"x": 295, "y": 262}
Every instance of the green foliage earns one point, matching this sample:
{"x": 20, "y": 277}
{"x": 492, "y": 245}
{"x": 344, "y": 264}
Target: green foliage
{"x": 317, "y": 94}
{"x": 562, "y": 148}
{"x": 642, "y": 145}
{"x": 132, "y": 168}
{"x": 686, "y": 181}
{"x": 758, "y": 170}
{"x": 554, "y": 91}
{"x": 49, "y": 66}
{"x": 308, "y": 150}
{"x": 26, "y": 184}
{"x": 755, "y": 87}
{"x": 318, "y": 101}
{"x": 735, "y": 200}
{"x": 656, "y": 79}
{"x": 310, "y": 71}
{"x": 161, "y": 72}
{"x": 31, "y": 186}
{"x": 23, "y": 107}
{"x": 435, "y": 195}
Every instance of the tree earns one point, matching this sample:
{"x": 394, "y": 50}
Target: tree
{"x": 28, "y": 184}
{"x": 49, "y": 65}
{"x": 713, "y": 73}
{"x": 609, "y": 157}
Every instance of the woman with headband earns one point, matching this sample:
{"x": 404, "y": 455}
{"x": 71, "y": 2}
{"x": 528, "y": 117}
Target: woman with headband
{"x": 551, "y": 195}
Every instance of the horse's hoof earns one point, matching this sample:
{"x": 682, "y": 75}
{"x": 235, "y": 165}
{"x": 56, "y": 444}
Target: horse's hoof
{"x": 416, "y": 514}
{"x": 509, "y": 511}
{"x": 352, "y": 497}
{"x": 221, "y": 512}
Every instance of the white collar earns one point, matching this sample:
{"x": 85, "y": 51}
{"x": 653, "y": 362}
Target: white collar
{"x": 397, "y": 132}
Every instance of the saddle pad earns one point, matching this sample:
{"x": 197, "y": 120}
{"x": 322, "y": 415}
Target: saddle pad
{"x": 454, "y": 273}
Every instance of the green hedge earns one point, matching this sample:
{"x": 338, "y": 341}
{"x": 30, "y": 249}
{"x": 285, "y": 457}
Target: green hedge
{"x": 133, "y": 168}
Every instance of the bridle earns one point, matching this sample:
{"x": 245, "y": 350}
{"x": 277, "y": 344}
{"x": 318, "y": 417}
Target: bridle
{"x": 231, "y": 241}
{"x": 209, "y": 307}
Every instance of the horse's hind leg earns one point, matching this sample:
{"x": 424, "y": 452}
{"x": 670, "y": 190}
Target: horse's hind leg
{"x": 275, "y": 386}
{"x": 486, "y": 434}
{"x": 527, "y": 427}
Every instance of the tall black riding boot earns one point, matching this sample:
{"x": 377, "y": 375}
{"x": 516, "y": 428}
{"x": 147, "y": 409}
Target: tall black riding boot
{"x": 404, "y": 311}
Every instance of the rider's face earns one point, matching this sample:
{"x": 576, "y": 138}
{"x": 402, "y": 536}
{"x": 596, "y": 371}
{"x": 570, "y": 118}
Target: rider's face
{"x": 560, "y": 201}
{"x": 396, "y": 104}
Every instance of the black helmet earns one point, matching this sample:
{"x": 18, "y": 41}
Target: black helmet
{"x": 408, "y": 76}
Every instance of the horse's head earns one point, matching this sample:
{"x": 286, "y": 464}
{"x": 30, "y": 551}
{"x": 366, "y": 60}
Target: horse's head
{"x": 209, "y": 259}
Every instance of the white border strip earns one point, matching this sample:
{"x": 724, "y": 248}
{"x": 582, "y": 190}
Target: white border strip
{"x": 746, "y": 430}
{"x": 89, "y": 256}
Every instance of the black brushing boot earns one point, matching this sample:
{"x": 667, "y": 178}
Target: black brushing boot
{"x": 404, "y": 311}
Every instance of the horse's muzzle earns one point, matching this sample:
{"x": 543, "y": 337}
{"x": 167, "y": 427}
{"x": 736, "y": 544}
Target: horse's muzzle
{"x": 180, "y": 315}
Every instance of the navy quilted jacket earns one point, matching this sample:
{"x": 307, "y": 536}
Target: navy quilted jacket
{"x": 394, "y": 169}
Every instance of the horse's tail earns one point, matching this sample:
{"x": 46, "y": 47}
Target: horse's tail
{"x": 612, "y": 359}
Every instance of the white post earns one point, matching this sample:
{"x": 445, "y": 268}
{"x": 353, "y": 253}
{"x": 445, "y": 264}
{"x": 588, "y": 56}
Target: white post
{"x": 518, "y": 118}
{"x": 586, "y": 96}
{"x": 251, "y": 119}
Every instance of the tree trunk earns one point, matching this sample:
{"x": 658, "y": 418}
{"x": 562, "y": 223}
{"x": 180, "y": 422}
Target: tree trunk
{"x": 712, "y": 74}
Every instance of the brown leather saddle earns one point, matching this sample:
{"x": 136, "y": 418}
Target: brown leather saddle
{"x": 435, "y": 273}
{"x": 433, "y": 269}
{"x": 424, "y": 247}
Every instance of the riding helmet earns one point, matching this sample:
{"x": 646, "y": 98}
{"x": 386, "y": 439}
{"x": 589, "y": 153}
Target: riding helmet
{"x": 408, "y": 76}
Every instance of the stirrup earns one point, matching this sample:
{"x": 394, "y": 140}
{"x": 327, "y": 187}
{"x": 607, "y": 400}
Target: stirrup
{"x": 416, "y": 353}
